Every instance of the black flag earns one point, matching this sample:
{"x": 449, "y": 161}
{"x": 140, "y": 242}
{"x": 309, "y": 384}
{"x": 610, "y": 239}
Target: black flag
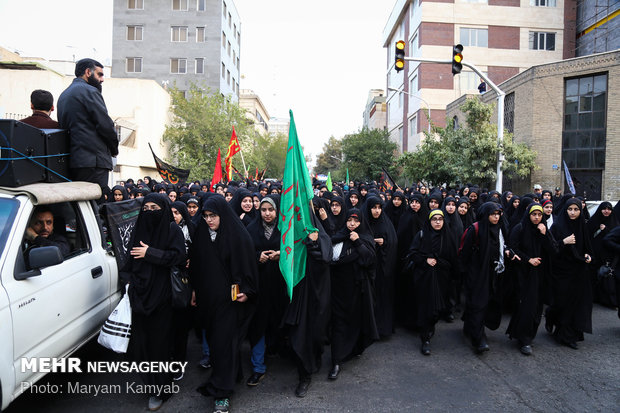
{"x": 168, "y": 173}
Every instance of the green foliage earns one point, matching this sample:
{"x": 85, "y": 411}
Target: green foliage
{"x": 269, "y": 151}
{"x": 365, "y": 152}
{"x": 330, "y": 160}
{"x": 201, "y": 124}
{"x": 467, "y": 154}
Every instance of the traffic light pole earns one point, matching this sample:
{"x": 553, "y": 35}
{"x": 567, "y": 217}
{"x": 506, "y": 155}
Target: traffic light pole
{"x": 500, "y": 112}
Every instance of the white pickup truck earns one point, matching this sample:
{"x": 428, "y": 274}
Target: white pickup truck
{"x": 57, "y": 302}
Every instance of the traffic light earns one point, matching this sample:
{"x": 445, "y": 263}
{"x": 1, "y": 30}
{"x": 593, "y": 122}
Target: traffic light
{"x": 457, "y": 58}
{"x": 399, "y": 56}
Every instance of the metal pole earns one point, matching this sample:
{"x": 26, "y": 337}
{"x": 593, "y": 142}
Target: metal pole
{"x": 500, "y": 112}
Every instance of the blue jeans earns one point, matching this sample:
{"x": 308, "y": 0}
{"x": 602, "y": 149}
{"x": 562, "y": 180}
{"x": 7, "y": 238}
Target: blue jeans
{"x": 258, "y": 356}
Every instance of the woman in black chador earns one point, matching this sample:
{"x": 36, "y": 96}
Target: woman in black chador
{"x": 265, "y": 333}
{"x": 534, "y": 244}
{"x": 386, "y": 249}
{"x": 352, "y": 281}
{"x": 482, "y": 255}
{"x": 433, "y": 252}
{"x": 157, "y": 244}
{"x": 602, "y": 222}
{"x": 222, "y": 256}
{"x": 571, "y": 308}
{"x": 243, "y": 204}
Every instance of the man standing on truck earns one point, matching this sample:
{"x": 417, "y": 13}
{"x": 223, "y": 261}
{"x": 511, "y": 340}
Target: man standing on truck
{"x": 92, "y": 136}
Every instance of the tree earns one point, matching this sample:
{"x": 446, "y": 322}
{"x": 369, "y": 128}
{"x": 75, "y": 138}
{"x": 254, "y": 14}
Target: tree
{"x": 202, "y": 122}
{"x": 467, "y": 154}
{"x": 330, "y": 160}
{"x": 269, "y": 153}
{"x": 366, "y": 152}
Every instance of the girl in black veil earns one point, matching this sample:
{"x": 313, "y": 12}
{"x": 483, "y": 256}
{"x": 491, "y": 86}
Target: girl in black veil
{"x": 482, "y": 253}
{"x": 157, "y": 244}
{"x": 570, "y": 314}
{"x": 243, "y": 204}
{"x": 224, "y": 275}
{"x": 337, "y": 214}
{"x": 352, "y": 282}
{"x": 395, "y": 208}
{"x": 433, "y": 252}
{"x": 602, "y": 222}
{"x": 534, "y": 244}
{"x": 119, "y": 193}
{"x": 386, "y": 249}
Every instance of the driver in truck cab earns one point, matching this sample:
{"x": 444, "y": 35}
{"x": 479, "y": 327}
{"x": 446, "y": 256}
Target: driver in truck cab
{"x": 41, "y": 233}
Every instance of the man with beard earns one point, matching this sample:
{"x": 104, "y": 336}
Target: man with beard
{"x": 93, "y": 139}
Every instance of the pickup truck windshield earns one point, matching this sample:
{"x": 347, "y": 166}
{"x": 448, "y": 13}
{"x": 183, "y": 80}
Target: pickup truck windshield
{"x": 8, "y": 209}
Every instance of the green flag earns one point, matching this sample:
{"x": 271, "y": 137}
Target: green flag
{"x": 328, "y": 184}
{"x": 347, "y": 182}
{"x": 295, "y": 216}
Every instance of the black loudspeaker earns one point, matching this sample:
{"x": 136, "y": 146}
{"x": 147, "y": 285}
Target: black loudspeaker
{"x": 56, "y": 143}
{"x": 18, "y": 140}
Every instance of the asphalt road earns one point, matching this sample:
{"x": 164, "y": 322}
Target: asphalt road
{"x": 391, "y": 376}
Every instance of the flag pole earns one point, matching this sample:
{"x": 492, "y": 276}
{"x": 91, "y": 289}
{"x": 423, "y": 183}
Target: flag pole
{"x": 243, "y": 160}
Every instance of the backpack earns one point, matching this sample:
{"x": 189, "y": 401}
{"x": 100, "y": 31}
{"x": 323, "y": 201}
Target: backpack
{"x": 465, "y": 233}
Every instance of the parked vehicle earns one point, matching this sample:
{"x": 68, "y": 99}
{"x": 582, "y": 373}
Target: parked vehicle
{"x": 51, "y": 304}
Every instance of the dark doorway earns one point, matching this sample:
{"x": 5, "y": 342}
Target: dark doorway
{"x": 588, "y": 183}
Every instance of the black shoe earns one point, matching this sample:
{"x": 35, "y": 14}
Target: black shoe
{"x": 205, "y": 363}
{"x": 482, "y": 346}
{"x": 255, "y": 378}
{"x": 302, "y": 387}
{"x": 572, "y": 345}
{"x": 426, "y": 348}
{"x": 334, "y": 372}
{"x": 526, "y": 350}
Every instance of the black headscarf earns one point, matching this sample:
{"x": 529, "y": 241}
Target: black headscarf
{"x": 359, "y": 198}
{"x": 380, "y": 227}
{"x": 563, "y": 227}
{"x": 395, "y": 213}
{"x": 235, "y": 203}
{"x": 123, "y": 191}
{"x": 187, "y": 220}
{"x": 150, "y": 283}
{"x": 452, "y": 221}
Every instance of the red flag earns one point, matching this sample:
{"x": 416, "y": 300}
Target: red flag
{"x": 256, "y": 175}
{"x": 233, "y": 148}
{"x": 217, "y": 173}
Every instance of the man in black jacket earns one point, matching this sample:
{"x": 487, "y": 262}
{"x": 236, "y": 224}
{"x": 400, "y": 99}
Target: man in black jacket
{"x": 93, "y": 139}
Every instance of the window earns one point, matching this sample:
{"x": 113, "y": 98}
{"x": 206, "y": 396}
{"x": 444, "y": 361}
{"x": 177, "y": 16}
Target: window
{"x": 134, "y": 32}
{"x": 223, "y": 71}
{"x": 542, "y": 41}
{"x": 509, "y": 112}
{"x": 134, "y": 65}
{"x": 584, "y": 132}
{"x": 413, "y": 83}
{"x": 228, "y": 77}
{"x": 224, "y": 9}
{"x": 413, "y": 47}
{"x": 235, "y": 30}
{"x": 178, "y": 66}
{"x": 413, "y": 126}
{"x": 200, "y": 34}
{"x": 400, "y": 99}
{"x": 469, "y": 81}
{"x": 400, "y": 137}
{"x": 474, "y": 37}
{"x": 238, "y": 63}
{"x": 238, "y": 37}
{"x": 135, "y": 4}
{"x": 455, "y": 122}
{"x": 178, "y": 33}
{"x": 229, "y": 21}
{"x": 200, "y": 65}
{"x": 228, "y": 49}
{"x": 201, "y": 5}
{"x": 234, "y": 57}
{"x": 180, "y": 5}
{"x": 543, "y": 3}
{"x": 223, "y": 40}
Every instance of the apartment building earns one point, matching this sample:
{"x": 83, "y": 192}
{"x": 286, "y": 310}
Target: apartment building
{"x": 178, "y": 42}
{"x": 500, "y": 37}
{"x": 375, "y": 112}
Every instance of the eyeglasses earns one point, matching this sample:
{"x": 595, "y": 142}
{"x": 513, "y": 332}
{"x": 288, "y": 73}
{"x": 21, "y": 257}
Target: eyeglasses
{"x": 436, "y": 219}
{"x": 208, "y": 217}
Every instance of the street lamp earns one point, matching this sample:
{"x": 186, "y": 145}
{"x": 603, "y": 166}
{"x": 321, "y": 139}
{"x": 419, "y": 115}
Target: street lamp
{"x": 428, "y": 107}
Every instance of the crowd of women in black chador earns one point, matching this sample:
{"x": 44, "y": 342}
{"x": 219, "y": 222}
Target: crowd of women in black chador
{"x": 408, "y": 256}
